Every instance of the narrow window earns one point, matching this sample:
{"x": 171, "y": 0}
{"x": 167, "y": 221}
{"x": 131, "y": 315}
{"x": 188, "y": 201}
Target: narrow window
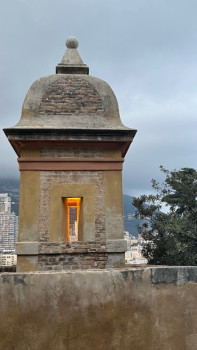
{"x": 72, "y": 211}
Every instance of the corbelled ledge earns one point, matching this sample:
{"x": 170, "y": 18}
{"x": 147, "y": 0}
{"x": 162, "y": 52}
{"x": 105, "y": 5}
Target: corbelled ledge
{"x": 85, "y": 164}
{"x": 43, "y": 137}
{"x": 35, "y": 248}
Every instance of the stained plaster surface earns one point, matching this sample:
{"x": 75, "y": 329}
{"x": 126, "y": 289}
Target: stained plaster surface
{"x": 32, "y": 115}
{"x": 152, "y": 308}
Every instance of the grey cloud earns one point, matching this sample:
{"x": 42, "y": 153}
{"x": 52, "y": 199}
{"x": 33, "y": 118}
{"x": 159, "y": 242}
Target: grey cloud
{"x": 146, "y": 50}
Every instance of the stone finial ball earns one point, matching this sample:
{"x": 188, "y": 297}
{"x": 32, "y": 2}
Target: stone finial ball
{"x": 72, "y": 43}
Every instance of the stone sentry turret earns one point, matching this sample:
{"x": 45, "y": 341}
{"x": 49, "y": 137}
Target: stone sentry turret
{"x": 71, "y": 145}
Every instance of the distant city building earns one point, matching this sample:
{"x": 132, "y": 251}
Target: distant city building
{"x": 128, "y": 236}
{"x": 133, "y": 255}
{"x": 8, "y": 226}
{"x": 5, "y": 203}
{"x": 8, "y": 259}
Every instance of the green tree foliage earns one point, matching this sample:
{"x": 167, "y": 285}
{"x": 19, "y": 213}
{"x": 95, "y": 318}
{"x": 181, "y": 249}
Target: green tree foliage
{"x": 171, "y": 234}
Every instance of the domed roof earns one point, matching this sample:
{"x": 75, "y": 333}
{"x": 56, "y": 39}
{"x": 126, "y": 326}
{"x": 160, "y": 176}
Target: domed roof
{"x": 70, "y": 106}
{"x": 70, "y": 99}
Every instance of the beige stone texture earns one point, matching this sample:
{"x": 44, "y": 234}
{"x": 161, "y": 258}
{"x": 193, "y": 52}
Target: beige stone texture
{"x": 114, "y": 205}
{"x": 54, "y": 185}
{"x": 112, "y": 153}
{"x": 115, "y": 309}
{"x": 29, "y": 152}
{"x": 71, "y": 152}
{"x": 36, "y": 114}
{"x": 29, "y": 206}
{"x": 27, "y": 263}
{"x": 115, "y": 260}
{"x": 116, "y": 245}
{"x": 57, "y": 210}
{"x": 29, "y": 248}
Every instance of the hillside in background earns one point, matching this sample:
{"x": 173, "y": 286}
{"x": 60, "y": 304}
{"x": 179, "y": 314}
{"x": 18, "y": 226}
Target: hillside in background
{"x": 11, "y": 187}
{"x": 130, "y": 223}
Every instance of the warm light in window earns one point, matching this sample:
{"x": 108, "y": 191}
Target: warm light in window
{"x": 72, "y": 207}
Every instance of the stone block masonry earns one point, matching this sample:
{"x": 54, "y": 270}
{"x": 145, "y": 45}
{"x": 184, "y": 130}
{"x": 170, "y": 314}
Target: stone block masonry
{"x": 71, "y": 178}
{"x": 68, "y": 96}
{"x": 75, "y": 261}
{"x": 81, "y": 254}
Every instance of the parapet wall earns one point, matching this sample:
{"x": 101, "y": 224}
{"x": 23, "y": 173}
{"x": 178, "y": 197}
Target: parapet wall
{"x": 151, "y": 308}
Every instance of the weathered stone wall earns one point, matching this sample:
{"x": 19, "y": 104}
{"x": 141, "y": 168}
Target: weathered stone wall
{"x": 64, "y": 261}
{"x": 114, "y": 309}
{"x": 42, "y": 214}
{"x": 64, "y": 177}
{"x": 71, "y": 152}
{"x": 68, "y": 96}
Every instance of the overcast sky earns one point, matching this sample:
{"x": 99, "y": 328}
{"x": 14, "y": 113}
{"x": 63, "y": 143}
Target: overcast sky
{"x": 145, "y": 49}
